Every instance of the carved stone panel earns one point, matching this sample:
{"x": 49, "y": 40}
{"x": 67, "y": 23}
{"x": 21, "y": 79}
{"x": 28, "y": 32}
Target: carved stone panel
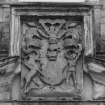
{"x": 51, "y": 53}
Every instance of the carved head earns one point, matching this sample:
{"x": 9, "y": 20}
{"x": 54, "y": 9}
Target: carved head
{"x": 52, "y": 52}
{"x": 72, "y": 47}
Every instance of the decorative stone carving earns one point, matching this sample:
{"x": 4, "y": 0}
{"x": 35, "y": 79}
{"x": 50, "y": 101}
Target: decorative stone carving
{"x": 50, "y": 56}
{"x": 52, "y": 65}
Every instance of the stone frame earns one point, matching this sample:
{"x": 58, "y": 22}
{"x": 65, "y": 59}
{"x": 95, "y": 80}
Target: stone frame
{"x": 25, "y": 9}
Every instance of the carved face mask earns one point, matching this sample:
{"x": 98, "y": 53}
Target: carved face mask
{"x": 72, "y": 49}
{"x": 52, "y": 52}
{"x": 73, "y": 52}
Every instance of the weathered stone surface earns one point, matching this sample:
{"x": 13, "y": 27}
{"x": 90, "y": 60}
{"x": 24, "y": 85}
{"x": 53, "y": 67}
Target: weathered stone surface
{"x": 51, "y": 50}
